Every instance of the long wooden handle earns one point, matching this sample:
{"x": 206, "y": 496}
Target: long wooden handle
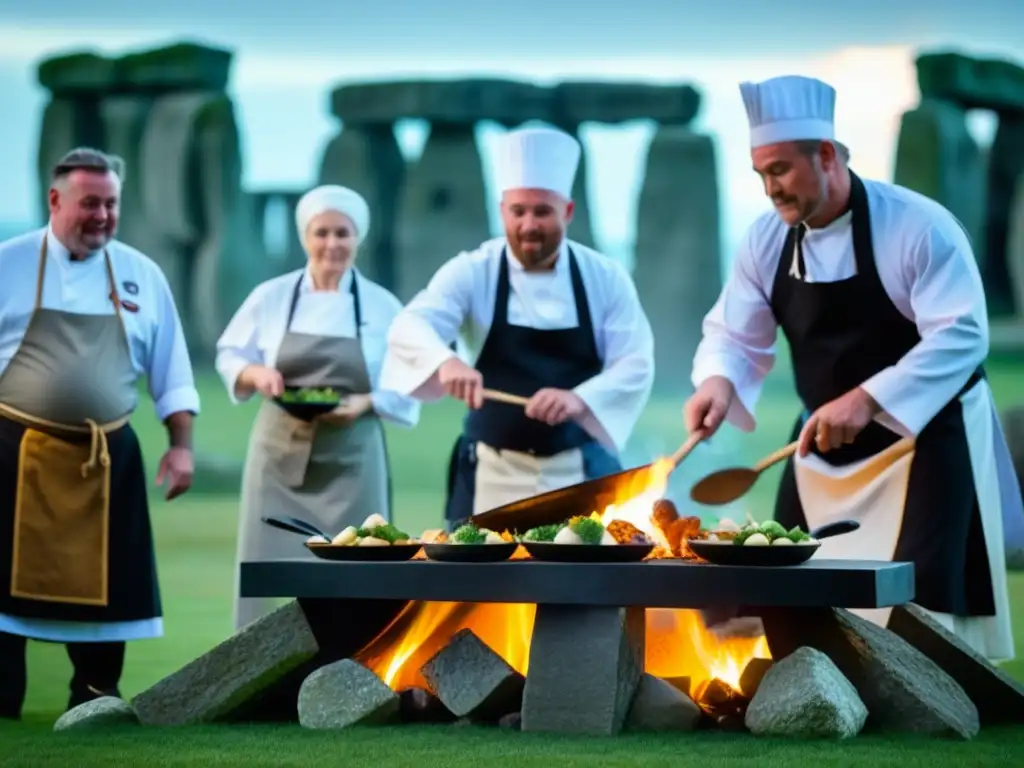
{"x": 685, "y": 448}
{"x": 775, "y": 458}
{"x": 504, "y": 397}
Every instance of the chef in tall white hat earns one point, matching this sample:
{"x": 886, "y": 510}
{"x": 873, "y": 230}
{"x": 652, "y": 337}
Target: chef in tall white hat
{"x": 877, "y": 292}
{"x": 540, "y": 317}
{"x": 320, "y": 326}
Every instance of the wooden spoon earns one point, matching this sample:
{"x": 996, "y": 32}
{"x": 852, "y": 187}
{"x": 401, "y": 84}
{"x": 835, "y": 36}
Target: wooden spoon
{"x": 504, "y": 397}
{"x": 727, "y": 485}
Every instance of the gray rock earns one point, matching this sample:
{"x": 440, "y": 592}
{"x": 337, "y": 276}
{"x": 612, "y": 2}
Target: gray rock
{"x": 999, "y": 698}
{"x": 346, "y": 693}
{"x": 973, "y": 83}
{"x": 77, "y": 74}
{"x": 178, "y": 67}
{"x": 660, "y": 706}
{"x": 104, "y": 711}
{"x": 806, "y": 695}
{"x": 1015, "y": 260}
{"x": 613, "y": 102}
{"x": 1003, "y": 287}
{"x": 903, "y": 689}
{"x": 585, "y": 666}
{"x": 513, "y": 721}
{"x": 67, "y": 122}
{"x": 753, "y": 674}
{"x": 678, "y": 247}
{"x": 233, "y": 673}
{"x": 473, "y": 681}
{"x": 937, "y": 156}
{"x": 462, "y": 102}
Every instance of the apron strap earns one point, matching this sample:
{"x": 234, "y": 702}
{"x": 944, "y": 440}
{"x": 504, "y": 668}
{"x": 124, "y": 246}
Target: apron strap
{"x": 41, "y": 277}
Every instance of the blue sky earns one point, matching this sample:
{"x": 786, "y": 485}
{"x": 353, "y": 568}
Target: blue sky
{"x": 288, "y": 55}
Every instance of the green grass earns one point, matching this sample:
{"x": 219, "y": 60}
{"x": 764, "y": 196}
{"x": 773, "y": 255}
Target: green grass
{"x": 196, "y": 548}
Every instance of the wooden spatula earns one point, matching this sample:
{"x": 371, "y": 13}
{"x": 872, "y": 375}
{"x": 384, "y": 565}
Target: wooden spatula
{"x": 727, "y": 485}
{"x": 504, "y": 397}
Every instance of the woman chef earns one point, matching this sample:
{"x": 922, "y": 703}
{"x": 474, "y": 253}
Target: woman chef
{"x": 322, "y": 326}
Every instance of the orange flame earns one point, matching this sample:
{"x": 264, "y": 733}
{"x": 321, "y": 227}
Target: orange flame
{"x": 679, "y": 645}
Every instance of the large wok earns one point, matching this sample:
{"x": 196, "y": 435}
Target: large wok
{"x": 581, "y": 499}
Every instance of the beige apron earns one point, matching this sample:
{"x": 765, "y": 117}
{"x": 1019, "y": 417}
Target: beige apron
{"x": 328, "y": 475}
{"x": 873, "y": 492}
{"x": 70, "y": 383}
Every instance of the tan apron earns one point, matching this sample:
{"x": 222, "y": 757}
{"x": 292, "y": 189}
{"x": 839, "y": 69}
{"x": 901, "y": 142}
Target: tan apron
{"x": 70, "y": 383}
{"x": 328, "y": 475}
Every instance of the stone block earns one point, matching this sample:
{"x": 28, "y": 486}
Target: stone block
{"x": 180, "y": 67}
{"x": 752, "y": 676}
{"x": 98, "y": 713}
{"x": 998, "y": 697}
{"x": 660, "y": 706}
{"x": 584, "y": 670}
{"x": 83, "y": 73}
{"x": 902, "y": 688}
{"x": 678, "y": 247}
{"x": 972, "y": 83}
{"x": 805, "y": 695}
{"x": 612, "y": 102}
{"x": 224, "y": 679}
{"x": 1004, "y": 288}
{"x": 68, "y": 121}
{"x": 1012, "y": 422}
{"x": 463, "y": 102}
{"x": 343, "y": 694}
{"x": 473, "y": 681}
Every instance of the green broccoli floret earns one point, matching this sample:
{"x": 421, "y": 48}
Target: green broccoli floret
{"x": 468, "y": 534}
{"x": 745, "y": 533}
{"x": 542, "y": 533}
{"x": 588, "y": 529}
{"x": 772, "y": 530}
{"x": 796, "y": 535}
{"x": 388, "y": 533}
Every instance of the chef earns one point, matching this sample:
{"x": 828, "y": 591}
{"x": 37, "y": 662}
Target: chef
{"x": 877, "y": 292}
{"x": 82, "y": 317}
{"x": 540, "y": 317}
{"x": 324, "y": 325}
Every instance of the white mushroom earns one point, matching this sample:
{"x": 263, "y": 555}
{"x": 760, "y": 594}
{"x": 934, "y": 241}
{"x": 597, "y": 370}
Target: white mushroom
{"x": 373, "y": 521}
{"x": 809, "y": 542}
{"x": 607, "y": 538}
{"x": 346, "y": 537}
{"x": 725, "y": 524}
{"x": 318, "y": 540}
{"x": 373, "y": 541}
{"x": 493, "y": 538}
{"x": 756, "y": 540}
{"x": 783, "y": 541}
{"x": 567, "y": 536}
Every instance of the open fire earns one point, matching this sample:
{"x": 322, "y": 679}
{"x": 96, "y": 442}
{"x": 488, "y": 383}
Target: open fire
{"x": 679, "y": 645}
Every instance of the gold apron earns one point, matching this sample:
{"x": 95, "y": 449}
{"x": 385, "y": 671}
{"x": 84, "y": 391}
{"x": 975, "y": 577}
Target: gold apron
{"x": 70, "y": 384}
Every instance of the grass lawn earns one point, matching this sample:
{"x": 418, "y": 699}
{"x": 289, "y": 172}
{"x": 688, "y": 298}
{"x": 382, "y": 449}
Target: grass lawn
{"x": 196, "y": 540}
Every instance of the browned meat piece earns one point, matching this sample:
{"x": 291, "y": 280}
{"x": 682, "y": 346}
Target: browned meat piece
{"x": 679, "y": 531}
{"x": 664, "y": 514}
{"x": 625, "y": 533}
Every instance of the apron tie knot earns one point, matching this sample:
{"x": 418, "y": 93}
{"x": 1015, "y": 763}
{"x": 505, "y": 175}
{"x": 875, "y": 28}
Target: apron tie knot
{"x": 98, "y": 448}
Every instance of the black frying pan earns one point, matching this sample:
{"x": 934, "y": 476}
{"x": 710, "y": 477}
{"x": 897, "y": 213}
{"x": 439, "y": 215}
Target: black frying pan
{"x": 583, "y": 498}
{"x": 727, "y": 553}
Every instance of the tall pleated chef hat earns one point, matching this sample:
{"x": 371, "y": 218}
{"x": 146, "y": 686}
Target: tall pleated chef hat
{"x": 789, "y": 108}
{"x": 331, "y": 197}
{"x": 537, "y": 158}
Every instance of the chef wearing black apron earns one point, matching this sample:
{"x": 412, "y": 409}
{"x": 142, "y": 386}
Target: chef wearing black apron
{"x": 569, "y": 321}
{"x": 883, "y": 297}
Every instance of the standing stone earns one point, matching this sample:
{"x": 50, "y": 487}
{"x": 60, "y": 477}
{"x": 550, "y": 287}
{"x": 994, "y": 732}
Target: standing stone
{"x": 580, "y": 228}
{"x": 346, "y": 693}
{"x": 221, "y": 681}
{"x": 937, "y": 156}
{"x": 678, "y": 248}
{"x": 585, "y": 667}
{"x": 660, "y": 706}
{"x": 367, "y": 158}
{"x": 1003, "y": 272}
{"x": 1012, "y": 422}
{"x": 443, "y": 209}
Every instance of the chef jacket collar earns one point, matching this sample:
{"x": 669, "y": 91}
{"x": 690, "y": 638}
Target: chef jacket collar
{"x": 306, "y": 286}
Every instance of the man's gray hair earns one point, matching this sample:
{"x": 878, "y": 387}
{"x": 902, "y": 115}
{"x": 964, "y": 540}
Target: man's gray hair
{"x": 810, "y": 147}
{"x": 87, "y": 159}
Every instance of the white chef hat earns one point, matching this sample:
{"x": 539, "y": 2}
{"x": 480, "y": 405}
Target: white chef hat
{"x": 789, "y": 108}
{"x": 537, "y": 158}
{"x": 331, "y": 197}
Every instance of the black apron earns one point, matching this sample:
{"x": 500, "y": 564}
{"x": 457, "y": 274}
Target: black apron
{"x": 841, "y": 334}
{"x": 522, "y": 360}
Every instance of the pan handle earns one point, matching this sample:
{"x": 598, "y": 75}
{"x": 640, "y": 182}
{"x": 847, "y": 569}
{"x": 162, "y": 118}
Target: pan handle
{"x": 838, "y": 528}
{"x": 294, "y": 525}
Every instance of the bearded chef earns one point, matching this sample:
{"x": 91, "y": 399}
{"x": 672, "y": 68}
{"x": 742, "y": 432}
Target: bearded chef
{"x": 82, "y": 317}
{"x": 877, "y": 292}
{"x": 540, "y": 317}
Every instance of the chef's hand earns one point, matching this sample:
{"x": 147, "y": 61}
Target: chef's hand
{"x": 554, "y": 406}
{"x": 838, "y": 422}
{"x": 350, "y": 409}
{"x": 259, "y": 378}
{"x": 462, "y": 382}
{"x": 176, "y": 468}
{"x": 705, "y": 410}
